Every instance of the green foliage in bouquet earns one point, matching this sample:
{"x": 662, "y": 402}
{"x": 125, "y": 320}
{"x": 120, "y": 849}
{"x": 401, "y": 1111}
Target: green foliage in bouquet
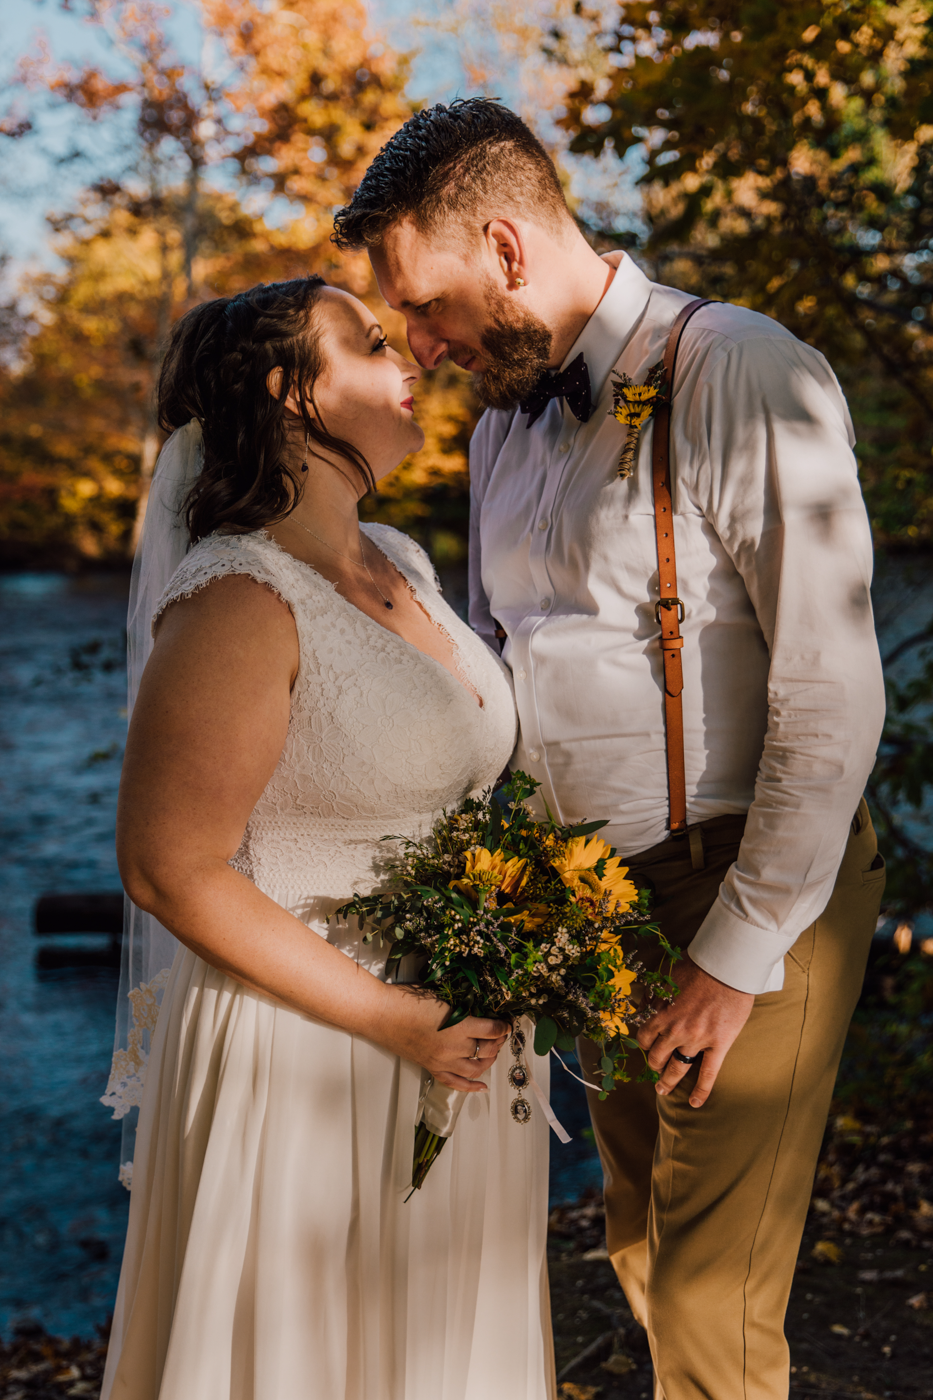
{"x": 513, "y": 916}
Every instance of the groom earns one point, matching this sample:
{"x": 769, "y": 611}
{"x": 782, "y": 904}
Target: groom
{"x": 774, "y": 886}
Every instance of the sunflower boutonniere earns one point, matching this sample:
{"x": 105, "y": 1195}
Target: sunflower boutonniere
{"x": 633, "y": 405}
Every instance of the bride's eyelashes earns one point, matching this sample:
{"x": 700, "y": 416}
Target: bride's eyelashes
{"x": 380, "y": 344}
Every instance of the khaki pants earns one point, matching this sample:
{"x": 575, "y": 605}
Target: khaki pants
{"x": 705, "y": 1207}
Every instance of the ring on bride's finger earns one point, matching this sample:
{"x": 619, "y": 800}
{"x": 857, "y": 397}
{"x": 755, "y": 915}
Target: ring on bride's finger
{"x": 475, "y": 1055}
{"x": 686, "y": 1059}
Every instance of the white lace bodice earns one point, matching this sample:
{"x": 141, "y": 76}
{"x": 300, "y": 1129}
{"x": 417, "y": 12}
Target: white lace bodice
{"x": 381, "y": 736}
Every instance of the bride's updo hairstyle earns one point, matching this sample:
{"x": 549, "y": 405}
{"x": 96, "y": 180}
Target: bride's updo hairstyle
{"x": 219, "y": 359}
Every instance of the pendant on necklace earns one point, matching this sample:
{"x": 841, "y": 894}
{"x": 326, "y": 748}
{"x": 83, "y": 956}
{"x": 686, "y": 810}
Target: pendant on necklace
{"x": 388, "y": 604}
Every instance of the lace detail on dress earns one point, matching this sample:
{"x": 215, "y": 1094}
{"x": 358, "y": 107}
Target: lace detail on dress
{"x": 381, "y": 737}
{"x": 128, "y": 1068}
{"x": 214, "y": 557}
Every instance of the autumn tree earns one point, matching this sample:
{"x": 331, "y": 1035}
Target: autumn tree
{"x": 307, "y": 98}
{"x": 788, "y": 165}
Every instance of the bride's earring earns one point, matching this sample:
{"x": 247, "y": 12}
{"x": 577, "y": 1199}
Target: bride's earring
{"x": 304, "y": 465}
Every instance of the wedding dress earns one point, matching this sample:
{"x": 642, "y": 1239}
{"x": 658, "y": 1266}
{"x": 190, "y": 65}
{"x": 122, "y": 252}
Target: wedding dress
{"x": 271, "y": 1254}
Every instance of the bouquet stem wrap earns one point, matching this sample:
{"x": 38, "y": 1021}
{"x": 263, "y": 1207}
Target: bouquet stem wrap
{"x": 440, "y": 1108}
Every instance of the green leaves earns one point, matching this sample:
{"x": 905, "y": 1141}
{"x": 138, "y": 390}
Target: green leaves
{"x": 587, "y": 828}
{"x": 494, "y": 828}
{"x": 546, "y": 1033}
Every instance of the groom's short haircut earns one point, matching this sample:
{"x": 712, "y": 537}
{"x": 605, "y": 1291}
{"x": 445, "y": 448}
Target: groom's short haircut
{"x": 457, "y": 165}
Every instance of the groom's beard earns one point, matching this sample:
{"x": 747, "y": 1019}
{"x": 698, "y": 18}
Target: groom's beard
{"x": 516, "y": 349}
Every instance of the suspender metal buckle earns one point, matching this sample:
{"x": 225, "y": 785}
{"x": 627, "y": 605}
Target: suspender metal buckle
{"x": 669, "y": 603}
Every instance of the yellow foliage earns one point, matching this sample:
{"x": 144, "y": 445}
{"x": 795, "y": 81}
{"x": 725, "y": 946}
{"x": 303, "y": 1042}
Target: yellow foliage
{"x": 315, "y": 100}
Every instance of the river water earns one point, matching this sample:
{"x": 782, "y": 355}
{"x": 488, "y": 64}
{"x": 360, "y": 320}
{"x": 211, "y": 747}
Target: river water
{"x": 62, "y": 730}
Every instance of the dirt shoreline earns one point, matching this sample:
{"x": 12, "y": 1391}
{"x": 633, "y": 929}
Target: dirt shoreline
{"x": 860, "y": 1327}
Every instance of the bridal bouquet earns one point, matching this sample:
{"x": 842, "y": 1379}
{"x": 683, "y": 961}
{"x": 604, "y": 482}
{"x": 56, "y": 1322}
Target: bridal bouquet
{"x": 516, "y": 917}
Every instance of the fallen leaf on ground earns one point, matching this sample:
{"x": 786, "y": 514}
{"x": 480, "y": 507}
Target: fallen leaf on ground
{"x": 826, "y": 1252}
{"x": 619, "y": 1364}
{"x": 569, "y": 1391}
{"x": 920, "y": 1301}
{"x": 839, "y": 1330}
{"x": 592, "y": 1255}
{"x": 846, "y": 1124}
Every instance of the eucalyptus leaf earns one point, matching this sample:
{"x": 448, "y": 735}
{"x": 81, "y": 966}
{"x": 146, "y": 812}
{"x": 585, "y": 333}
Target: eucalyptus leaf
{"x": 546, "y": 1033}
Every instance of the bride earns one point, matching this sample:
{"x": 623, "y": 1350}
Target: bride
{"x": 308, "y": 692}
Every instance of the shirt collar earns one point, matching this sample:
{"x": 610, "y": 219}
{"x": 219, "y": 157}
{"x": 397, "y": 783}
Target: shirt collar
{"x": 603, "y": 338}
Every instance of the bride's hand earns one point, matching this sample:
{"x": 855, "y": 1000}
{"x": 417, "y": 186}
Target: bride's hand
{"x": 413, "y": 1028}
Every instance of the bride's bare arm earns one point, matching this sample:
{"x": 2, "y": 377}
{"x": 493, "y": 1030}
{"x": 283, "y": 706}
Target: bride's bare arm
{"x": 207, "y": 731}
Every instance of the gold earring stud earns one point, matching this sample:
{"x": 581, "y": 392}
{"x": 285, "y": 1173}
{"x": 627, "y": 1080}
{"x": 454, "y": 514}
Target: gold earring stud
{"x": 519, "y": 281}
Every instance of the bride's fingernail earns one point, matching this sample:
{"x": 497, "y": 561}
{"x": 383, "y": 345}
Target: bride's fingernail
{"x": 661, "y": 1089}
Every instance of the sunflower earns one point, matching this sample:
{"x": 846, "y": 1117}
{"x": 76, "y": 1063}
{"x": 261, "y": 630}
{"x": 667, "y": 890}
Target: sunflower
{"x": 633, "y": 405}
{"x": 576, "y": 867}
{"x": 487, "y": 871}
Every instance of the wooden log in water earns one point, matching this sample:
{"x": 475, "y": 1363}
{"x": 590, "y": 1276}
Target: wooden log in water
{"x": 80, "y": 913}
{"x": 98, "y": 916}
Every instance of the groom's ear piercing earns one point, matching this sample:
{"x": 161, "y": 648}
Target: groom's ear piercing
{"x": 519, "y": 281}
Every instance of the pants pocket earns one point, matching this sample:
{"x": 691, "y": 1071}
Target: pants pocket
{"x": 876, "y": 872}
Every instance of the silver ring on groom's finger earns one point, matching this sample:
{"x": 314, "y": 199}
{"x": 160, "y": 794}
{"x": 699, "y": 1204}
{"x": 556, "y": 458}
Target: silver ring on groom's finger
{"x": 475, "y": 1055}
{"x": 686, "y": 1059}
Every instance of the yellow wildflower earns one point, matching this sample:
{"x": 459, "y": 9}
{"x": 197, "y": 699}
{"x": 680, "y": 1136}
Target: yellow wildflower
{"x": 491, "y": 870}
{"x": 535, "y": 916}
{"x": 576, "y": 868}
{"x": 622, "y": 980}
{"x": 636, "y": 407}
{"x": 633, "y": 405}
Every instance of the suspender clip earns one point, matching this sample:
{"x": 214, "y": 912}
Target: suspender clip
{"x": 669, "y": 603}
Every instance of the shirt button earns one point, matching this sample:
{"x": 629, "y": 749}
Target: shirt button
{"x": 533, "y": 755}
{"x": 545, "y": 604}
{"x": 521, "y": 675}
{"x": 542, "y": 524}
{"x": 564, "y": 447}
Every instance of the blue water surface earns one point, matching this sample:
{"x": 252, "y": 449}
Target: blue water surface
{"x": 62, "y": 730}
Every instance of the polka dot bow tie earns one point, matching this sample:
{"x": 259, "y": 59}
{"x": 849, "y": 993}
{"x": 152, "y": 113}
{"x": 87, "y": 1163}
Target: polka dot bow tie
{"x": 572, "y": 384}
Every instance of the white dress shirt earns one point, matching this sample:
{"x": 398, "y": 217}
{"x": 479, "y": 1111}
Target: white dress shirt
{"x": 783, "y": 694}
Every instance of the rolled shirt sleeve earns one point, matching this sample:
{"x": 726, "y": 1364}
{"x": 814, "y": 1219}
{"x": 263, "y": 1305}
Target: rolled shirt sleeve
{"x": 780, "y": 487}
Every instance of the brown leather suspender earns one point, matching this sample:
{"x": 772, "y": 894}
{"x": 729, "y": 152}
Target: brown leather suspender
{"x": 669, "y": 610}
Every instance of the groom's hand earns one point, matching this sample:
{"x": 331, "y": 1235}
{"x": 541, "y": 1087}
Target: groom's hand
{"x": 705, "y": 1016}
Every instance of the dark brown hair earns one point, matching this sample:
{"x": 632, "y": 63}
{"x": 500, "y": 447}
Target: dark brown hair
{"x": 449, "y": 164}
{"x": 219, "y": 357}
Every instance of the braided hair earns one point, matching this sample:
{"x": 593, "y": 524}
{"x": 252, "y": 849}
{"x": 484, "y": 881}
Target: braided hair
{"x": 216, "y": 369}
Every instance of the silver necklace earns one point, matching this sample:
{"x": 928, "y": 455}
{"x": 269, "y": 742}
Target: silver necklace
{"x": 359, "y": 564}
